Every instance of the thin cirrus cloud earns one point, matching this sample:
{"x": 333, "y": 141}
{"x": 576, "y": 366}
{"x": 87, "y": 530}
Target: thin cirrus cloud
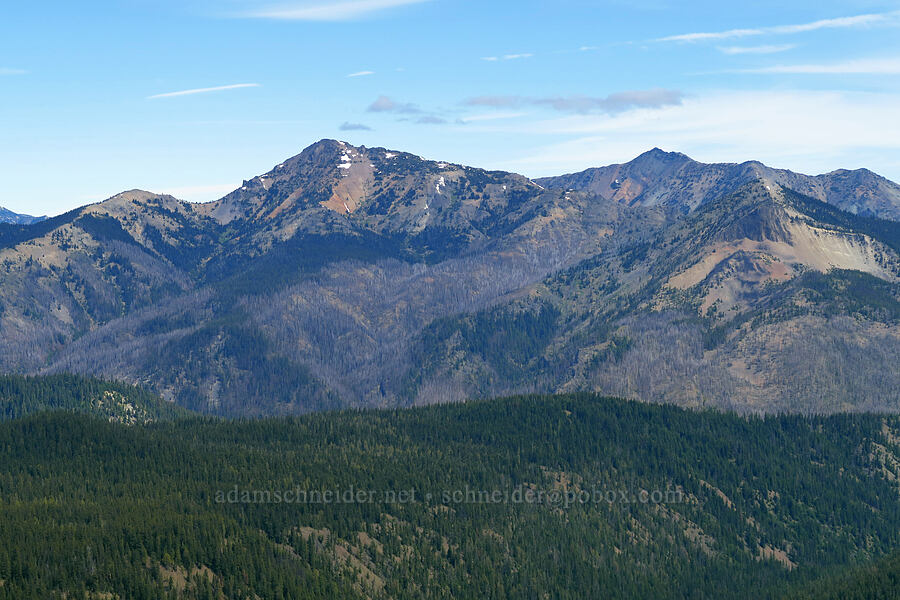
{"x": 838, "y": 23}
{"x": 870, "y": 66}
{"x": 207, "y": 90}
{"x": 612, "y": 104}
{"x": 519, "y": 56}
{"x": 361, "y": 74}
{"x": 430, "y": 120}
{"x": 406, "y": 111}
{"x": 346, "y": 10}
{"x": 385, "y": 104}
{"x": 492, "y": 117}
{"x": 764, "y": 49}
{"x": 347, "y": 126}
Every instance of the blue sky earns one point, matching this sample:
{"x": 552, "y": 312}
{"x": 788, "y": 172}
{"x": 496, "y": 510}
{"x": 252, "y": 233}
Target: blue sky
{"x": 190, "y": 97}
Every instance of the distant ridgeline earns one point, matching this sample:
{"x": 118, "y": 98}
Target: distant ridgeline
{"x": 21, "y": 396}
{"x": 651, "y": 501}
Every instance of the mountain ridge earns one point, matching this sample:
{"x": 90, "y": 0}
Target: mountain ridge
{"x": 685, "y": 182}
{"x": 9, "y": 217}
{"x": 354, "y": 276}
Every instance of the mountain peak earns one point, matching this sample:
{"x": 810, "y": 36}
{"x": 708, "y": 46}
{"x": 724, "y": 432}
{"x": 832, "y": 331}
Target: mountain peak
{"x": 135, "y": 194}
{"x": 660, "y": 155}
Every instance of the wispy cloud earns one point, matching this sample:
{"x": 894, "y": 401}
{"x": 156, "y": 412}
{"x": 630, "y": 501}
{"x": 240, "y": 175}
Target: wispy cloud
{"x": 838, "y": 23}
{"x": 361, "y": 74}
{"x": 496, "y": 101}
{"x": 384, "y": 104}
{"x": 347, "y": 126}
{"x": 406, "y": 111}
{"x": 9, "y": 71}
{"x": 614, "y": 103}
{"x": 328, "y": 11}
{"x": 430, "y": 120}
{"x": 492, "y": 117}
{"x": 220, "y": 88}
{"x": 870, "y": 66}
{"x": 766, "y": 49}
{"x": 507, "y": 57}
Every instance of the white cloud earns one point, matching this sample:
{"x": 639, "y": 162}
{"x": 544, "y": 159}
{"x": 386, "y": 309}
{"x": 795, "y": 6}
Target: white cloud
{"x": 767, "y": 49}
{"x": 219, "y": 88}
{"x": 841, "y": 22}
{"x": 329, "y": 11}
{"x": 807, "y": 131}
{"x": 361, "y": 74}
{"x": 866, "y": 66}
{"x": 9, "y": 71}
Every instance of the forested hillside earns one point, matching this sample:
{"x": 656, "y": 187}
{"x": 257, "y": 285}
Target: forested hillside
{"x": 21, "y": 396}
{"x": 568, "y": 497}
{"x": 879, "y": 580}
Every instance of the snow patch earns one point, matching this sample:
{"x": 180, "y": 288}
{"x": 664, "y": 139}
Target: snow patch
{"x": 389, "y": 155}
{"x": 442, "y": 165}
{"x": 440, "y": 183}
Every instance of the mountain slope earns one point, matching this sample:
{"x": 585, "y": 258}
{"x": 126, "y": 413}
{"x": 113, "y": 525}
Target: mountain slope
{"x": 748, "y": 303}
{"x": 7, "y": 216}
{"x": 671, "y": 179}
{"x": 353, "y": 276}
{"x": 77, "y": 272}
